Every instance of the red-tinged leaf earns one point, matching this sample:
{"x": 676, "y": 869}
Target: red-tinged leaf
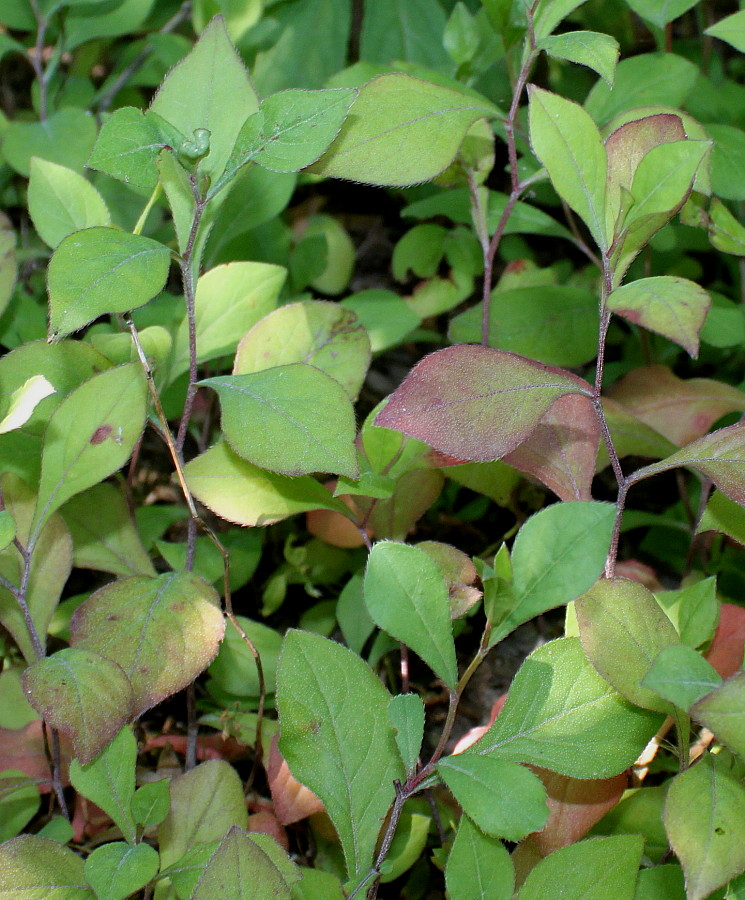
{"x": 86, "y": 696}
{"x": 575, "y": 805}
{"x": 209, "y": 746}
{"x": 728, "y": 645}
{"x": 641, "y": 572}
{"x": 23, "y": 749}
{"x": 627, "y": 145}
{"x": 673, "y": 307}
{"x": 265, "y": 822}
{"x": 476, "y": 403}
{"x": 162, "y": 631}
{"x": 562, "y": 450}
{"x": 719, "y": 455}
{"x": 681, "y": 410}
{"x": 292, "y": 800}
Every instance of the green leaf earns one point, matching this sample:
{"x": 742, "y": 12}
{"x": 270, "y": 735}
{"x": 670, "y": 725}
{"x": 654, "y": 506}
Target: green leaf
{"x": 32, "y": 866}
{"x": 242, "y": 867}
{"x": 568, "y": 143}
{"x": 60, "y": 201}
{"x": 150, "y": 803}
{"x": 475, "y": 403}
{"x": 595, "y": 869}
{"x": 315, "y": 884}
{"x": 673, "y": 307}
{"x": 554, "y": 324}
{"x": 103, "y": 533}
{"x": 84, "y": 695}
{"x": 129, "y": 144}
{"x": 385, "y": 316}
{"x": 50, "y": 567}
{"x": 117, "y": 870}
{"x": 660, "y": 12}
{"x": 210, "y": 89}
{"x": 407, "y": 596}
{"x": 292, "y": 419}
{"x": 723, "y": 514}
{"x": 344, "y": 752}
{"x": 661, "y": 882}
{"x": 19, "y": 803}
{"x": 401, "y": 130}
{"x": 557, "y": 555}
{"x": 406, "y": 715}
{"x": 162, "y": 631}
{"x": 722, "y": 711}
{"x": 622, "y": 629}
{"x": 504, "y": 799}
{"x": 664, "y": 178}
{"x": 727, "y": 161}
{"x": 649, "y": 79}
{"x": 229, "y": 300}
{"x": 240, "y": 492}
{"x": 291, "y": 129}
{"x": 560, "y": 714}
{"x": 102, "y": 270}
{"x": 65, "y": 137}
{"x": 84, "y": 25}
{"x": 730, "y": 29}
{"x": 407, "y": 846}
{"x": 478, "y": 867}
{"x": 588, "y": 48}
{"x": 206, "y": 803}
{"x": 109, "y": 781}
{"x": 408, "y": 30}
{"x": 549, "y": 13}
{"x": 720, "y": 455}
{"x": 234, "y": 668}
{"x": 316, "y": 332}
{"x": 7, "y": 529}
{"x": 693, "y": 610}
{"x": 681, "y": 675}
{"x": 709, "y": 844}
{"x": 725, "y": 232}
{"x": 8, "y": 268}
{"x": 90, "y": 435}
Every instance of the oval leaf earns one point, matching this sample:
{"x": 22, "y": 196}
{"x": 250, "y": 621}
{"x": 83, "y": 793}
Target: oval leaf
{"x": 488, "y": 790}
{"x": 568, "y": 143}
{"x": 292, "y": 419}
{"x": 673, "y": 307}
{"x": 479, "y": 867}
{"x": 622, "y": 629}
{"x": 723, "y": 710}
{"x": 322, "y": 334}
{"x": 719, "y": 455}
{"x": 117, "y": 870}
{"x": 407, "y": 596}
{"x": 241, "y": 492}
{"x": 400, "y": 131}
{"x": 162, "y": 631}
{"x": 475, "y": 403}
{"x": 60, "y": 202}
{"x": 344, "y": 752}
{"x": 32, "y": 866}
{"x": 85, "y": 696}
{"x": 709, "y": 844}
{"x": 561, "y": 715}
{"x": 90, "y": 435}
{"x": 102, "y": 270}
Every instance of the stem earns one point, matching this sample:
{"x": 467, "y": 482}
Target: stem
{"x": 22, "y": 598}
{"x": 37, "y": 56}
{"x": 199, "y": 522}
{"x": 621, "y": 480}
{"x": 489, "y": 250}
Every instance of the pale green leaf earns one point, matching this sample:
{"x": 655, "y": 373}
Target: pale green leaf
{"x": 24, "y": 401}
{"x": 401, "y": 130}
{"x": 478, "y": 867}
{"x": 116, "y": 870}
{"x": 588, "y": 48}
{"x": 568, "y": 143}
{"x": 60, "y": 201}
{"x": 730, "y": 29}
{"x": 723, "y": 710}
{"x": 32, "y": 866}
